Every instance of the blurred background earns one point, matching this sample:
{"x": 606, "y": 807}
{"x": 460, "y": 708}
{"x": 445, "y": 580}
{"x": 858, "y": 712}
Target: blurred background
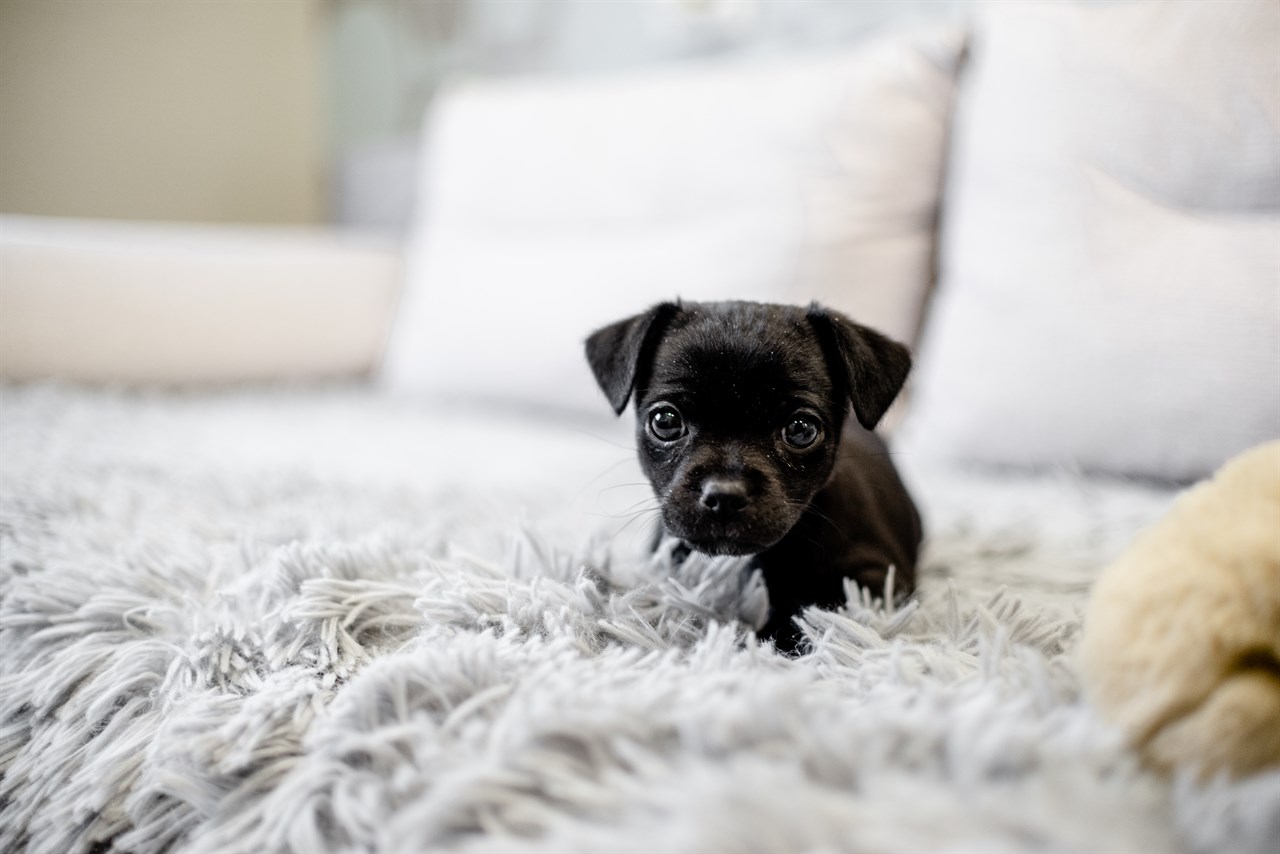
{"x": 310, "y": 111}
{"x": 1070, "y": 211}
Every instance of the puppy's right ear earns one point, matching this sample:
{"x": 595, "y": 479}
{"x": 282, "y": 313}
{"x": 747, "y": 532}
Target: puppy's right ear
{"x": 874, "y": 367}
{"x": 617, "y": 352}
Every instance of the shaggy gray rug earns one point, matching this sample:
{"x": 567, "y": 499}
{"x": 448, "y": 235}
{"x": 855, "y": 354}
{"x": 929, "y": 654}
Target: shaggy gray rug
{"x": 316, "y": 620}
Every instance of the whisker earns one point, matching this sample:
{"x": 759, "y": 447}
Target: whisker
{"x": 809, "y": 508}
{"x": 627, "y": 511}
{"x": 643, "y": 514}
{"x": 652, "y": 502}
{"x": 608, "y": 469}
{"x": 644, "y": 483}
{"x": 583, "y": 432}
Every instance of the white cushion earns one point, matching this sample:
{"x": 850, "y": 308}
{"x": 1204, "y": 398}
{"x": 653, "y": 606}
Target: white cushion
{"x": 131, "y": 303}
{"x": 556, "y": 206}
{"x": 1109, "y": 293}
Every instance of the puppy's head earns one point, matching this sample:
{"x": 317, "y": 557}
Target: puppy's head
{"x": 739, "y": 408}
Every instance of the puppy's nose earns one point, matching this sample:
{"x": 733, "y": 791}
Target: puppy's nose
{"x": 725, "y": 496}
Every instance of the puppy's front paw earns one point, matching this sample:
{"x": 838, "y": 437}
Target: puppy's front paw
{"x": 881, "y": 580}
{"x": 786, "y": 636}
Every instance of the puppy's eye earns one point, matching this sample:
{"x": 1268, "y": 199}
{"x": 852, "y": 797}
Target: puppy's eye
{"x": 665, "y": 424}
{"x": 802, "y": 432}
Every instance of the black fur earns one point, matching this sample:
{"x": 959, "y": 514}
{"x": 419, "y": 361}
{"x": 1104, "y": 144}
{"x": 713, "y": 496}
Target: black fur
{"x": 737, "y": 374}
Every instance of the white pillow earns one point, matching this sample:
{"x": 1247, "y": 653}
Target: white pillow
{"x": 1109, "y": 291}
{"x": 109, "y": 301}
{"x": 555, "y": 206}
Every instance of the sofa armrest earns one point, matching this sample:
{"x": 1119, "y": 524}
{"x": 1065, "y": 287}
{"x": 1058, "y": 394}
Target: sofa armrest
{"x": 169, "y": 304}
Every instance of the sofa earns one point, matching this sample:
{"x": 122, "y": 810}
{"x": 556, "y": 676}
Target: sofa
{"x": 314, "y": 541}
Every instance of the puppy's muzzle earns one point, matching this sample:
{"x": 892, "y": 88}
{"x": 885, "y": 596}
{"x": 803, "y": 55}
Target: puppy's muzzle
{"x": 724, "y": 497}
{"x": 727, "y": 513}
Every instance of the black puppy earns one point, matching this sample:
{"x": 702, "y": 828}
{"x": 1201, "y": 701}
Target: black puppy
{"x": 742, "y": 428}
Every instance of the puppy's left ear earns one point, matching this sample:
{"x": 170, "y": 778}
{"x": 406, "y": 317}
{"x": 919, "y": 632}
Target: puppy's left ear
{"x": 617, "y": 352}
{"x": 874, "y": 367}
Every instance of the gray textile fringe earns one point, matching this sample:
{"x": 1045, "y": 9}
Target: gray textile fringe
{"x": 200, "y": 657}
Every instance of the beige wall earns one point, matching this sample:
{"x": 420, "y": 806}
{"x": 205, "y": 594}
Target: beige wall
{"x": 197, "y": 110}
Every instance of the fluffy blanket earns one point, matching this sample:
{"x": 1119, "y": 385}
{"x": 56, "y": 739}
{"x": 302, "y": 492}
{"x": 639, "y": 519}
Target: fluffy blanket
{"x": 319, "y": 620}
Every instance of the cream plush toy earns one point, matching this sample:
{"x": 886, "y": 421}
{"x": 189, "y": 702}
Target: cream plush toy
{"x": 1181, "y": 646}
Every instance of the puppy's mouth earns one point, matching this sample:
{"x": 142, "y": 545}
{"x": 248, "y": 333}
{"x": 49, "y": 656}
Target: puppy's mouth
{"x": 737, "y": 538}
{"x": 725, "y": 547}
